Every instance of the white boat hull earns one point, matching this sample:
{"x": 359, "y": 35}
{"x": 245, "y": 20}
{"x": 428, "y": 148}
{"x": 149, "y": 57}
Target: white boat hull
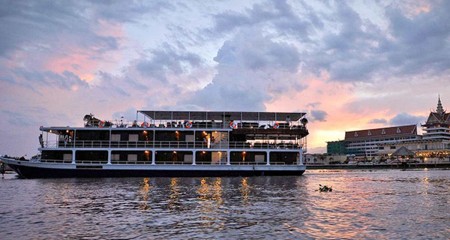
{"x": 29, "y": 169}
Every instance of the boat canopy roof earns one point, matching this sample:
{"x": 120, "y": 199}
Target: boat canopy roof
{"x": 223, "y": 116}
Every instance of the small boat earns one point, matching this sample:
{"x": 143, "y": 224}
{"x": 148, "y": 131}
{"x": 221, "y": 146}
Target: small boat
{"x": 172, "y": 144}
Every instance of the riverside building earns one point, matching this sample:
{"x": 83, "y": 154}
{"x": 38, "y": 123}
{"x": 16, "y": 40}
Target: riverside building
{"x": 384, "y": 142}
{"x": 366, "y": 143}
{"x": 434, "y": 143}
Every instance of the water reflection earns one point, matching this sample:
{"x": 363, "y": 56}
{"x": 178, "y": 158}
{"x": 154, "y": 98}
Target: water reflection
{"x": 245, "y": 190}
{"x": 203, "y": 190}
{"x": 363, "y": 204}
{"x": 144, "y": 193}
{"x": 210, "y": 200}
{"x": 174, "y": 196}
{"x": 210, "y": 192}
{"x": 217, "y": 196}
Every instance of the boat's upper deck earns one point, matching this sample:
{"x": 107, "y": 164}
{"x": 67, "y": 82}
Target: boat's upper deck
{"x": 202, "y": 120}
{"x": 223, "y": 116}
{"x": 220, "y": 120}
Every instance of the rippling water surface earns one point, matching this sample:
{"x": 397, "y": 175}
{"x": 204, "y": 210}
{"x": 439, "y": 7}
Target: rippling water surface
{"x": 378, "y": 204}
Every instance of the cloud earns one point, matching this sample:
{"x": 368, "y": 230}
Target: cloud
{"x": 405, "y": 119}
{"x": 363, "y": 50}
{"x": 313, "y": 104}
{"x": 348, "y": 49}
{"x": 167, "y": 61}
{"x": 66, "y": 80}
{"x": 378, "y": 121}
{"x": 420, "y": 42}
{"x": 34, "y": 26}
{"x": 19, "y": 119}
{"x": 276, "y": 15}
{"x": 58, "y": 42}
{"x": 129, "y": 12}
{"x": 51, "y": 44}
{"x": 165, "y": 77}
{"x": 318, "y": 115}
{"x": 252, "y": 69}
{"x": 112, "y": 84}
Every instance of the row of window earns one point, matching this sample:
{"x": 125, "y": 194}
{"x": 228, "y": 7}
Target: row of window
{"x": 166, "y": 156}
{"x": 383, "y": 132}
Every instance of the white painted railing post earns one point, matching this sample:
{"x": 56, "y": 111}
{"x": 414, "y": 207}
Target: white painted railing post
{"x": 73, "y": 156}
{"x": 109, "y": 156}
{"x": 301, "y": 157}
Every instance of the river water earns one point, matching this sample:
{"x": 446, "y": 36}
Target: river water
{"x": 381, "y": 204}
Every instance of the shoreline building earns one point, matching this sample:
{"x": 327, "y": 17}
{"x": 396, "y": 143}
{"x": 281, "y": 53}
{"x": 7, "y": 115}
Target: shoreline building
{"x": 390, "y": 142}
{"x": 366, "y": 143}
{"x": 438, "y": 124}
{"x": 434, "y": 143}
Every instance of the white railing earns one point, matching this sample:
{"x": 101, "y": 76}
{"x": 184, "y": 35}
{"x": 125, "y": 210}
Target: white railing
{"x": 233, "y": 163}
{"x": 208, "y": 125}
{"x": 171, "y": 145}
{"x": 55, "y": 161}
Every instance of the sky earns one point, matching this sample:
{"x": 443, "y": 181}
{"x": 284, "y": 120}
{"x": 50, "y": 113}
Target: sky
{"x": 348, "y": 64}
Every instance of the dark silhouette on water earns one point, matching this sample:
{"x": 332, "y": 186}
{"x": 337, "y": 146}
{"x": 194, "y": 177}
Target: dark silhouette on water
{"x": 325, "y": 188}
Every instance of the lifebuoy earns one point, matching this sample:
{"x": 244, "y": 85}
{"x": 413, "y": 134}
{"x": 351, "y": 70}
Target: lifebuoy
{"x": 276, "y": 125}
{"x": 144, "y": 124}
{"x": 188, "y": 124}
{"x": 233, "y": 125}
{"x": 101, "y": 124}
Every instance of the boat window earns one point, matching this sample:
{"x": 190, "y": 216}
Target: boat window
{"x": 115, "y": 137}
{"x": 132, "y": 157}
{"x": 190, "y": 138}
{"x": 133, "y": 138}
{"x": 67, "y": 157}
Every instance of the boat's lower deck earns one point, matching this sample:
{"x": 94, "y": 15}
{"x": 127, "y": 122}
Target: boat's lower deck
{"x": 27, "y": 169}
{"x": 233, "y": 157}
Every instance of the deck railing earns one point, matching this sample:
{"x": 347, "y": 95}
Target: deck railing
{"x": 210, "y": 125}
{"x": 159, "y": 162}
{"x": 55, "y": 161}
{"x": 172, "y": 145}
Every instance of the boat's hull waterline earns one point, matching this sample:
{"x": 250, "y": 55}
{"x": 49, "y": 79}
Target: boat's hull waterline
{"x": 27, "y": 169}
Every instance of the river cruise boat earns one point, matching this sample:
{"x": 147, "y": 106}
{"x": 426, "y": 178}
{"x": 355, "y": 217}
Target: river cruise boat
{"x": 172, "y": 144}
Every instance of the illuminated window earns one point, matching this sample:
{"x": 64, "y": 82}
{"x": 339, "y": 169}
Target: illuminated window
{"x": 132, "y": 157}
{"x": 133, "y": 137}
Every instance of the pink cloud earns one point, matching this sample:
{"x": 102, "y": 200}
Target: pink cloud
{"x": 332, "y": 98}
{"x": 77, "y": 61}
{"x": 82, "y": 61}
